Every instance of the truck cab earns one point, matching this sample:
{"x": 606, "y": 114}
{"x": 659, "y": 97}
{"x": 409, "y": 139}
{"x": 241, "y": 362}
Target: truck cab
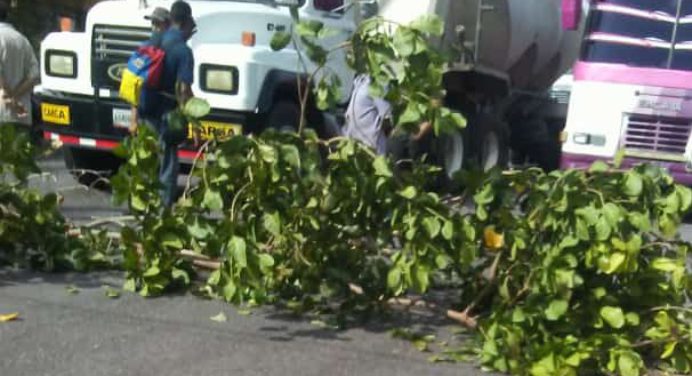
{"x": 249, "y": 86}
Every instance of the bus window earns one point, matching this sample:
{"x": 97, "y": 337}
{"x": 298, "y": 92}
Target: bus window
{"x": 682, "y": 60}
{"x": 636, "y": 56}
{"x": 667, "y": 6}
{"x": 630, "y": 26}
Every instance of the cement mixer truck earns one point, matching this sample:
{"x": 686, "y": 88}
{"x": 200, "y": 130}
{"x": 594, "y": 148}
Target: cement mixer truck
{"x": 513, "y": 51}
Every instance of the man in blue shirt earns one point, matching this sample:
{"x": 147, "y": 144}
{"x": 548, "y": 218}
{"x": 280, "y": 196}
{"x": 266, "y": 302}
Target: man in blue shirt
{"x": 175, "y": 91}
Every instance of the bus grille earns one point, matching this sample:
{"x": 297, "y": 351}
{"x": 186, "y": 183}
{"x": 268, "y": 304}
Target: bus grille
{"x": 657, "y": 134}
{"x": 111, "y": 47}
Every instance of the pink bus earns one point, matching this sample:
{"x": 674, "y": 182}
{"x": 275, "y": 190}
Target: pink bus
{"x": 632, "y": 87}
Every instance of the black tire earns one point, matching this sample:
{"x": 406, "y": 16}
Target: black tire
{"x": 92, "y": 168}
{"x": 538, "y": 143}
{"x": 284, "y": 117}
{"x": 490, "y": 143}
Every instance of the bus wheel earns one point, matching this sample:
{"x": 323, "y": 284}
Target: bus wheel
{"x": 92, "y": 168}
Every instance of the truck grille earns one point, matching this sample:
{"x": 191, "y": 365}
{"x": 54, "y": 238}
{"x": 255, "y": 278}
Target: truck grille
{"x": 657, "y": 134}
{"x": 111, "y": 47}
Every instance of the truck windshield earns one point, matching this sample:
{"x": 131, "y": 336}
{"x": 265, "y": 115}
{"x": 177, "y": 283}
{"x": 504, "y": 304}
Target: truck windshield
{"x": 641, "y": 33}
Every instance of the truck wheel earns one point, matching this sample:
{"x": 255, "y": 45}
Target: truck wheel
{"x": 284, "y": 117}
{"x": 91, "y": 167}
{"x": 490, "y": 138}
{"x": 454, "y": 153}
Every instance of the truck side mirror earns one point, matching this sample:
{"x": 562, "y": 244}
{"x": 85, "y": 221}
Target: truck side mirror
{"x": 571, "y": 14}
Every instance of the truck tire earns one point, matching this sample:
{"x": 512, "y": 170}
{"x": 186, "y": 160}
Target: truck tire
{"x": 284, "y": 116}
{"x": 452, "y": 153}
{"x": 491, "y": 142}
{"x": 91, "y": 167}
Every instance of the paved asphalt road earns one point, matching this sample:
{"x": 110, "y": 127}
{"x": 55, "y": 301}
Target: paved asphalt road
{"x": 89, "y": 334}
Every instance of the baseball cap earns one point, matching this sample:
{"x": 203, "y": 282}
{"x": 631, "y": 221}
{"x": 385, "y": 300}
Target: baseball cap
{"x": 159, "y": 14}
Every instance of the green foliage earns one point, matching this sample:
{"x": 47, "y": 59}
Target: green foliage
{"x": 590, "y": 273}
{"x": 406, "y": 68}
{"x": 32, "y": 230}
{"x": 150, "y": 251}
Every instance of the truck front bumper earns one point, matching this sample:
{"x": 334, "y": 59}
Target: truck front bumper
{"x": 678, "y": 170}
{"x": 89, "y": 122}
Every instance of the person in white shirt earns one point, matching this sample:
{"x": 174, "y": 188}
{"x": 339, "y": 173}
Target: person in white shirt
{"x": 19, "y": 72}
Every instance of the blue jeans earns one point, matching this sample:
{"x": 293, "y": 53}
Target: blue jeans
{"x": 170, "y": 165}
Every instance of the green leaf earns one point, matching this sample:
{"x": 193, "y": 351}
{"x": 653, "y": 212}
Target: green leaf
{"x": 619, "y": 157}
{"x": 272, "y": 223}
{"x": 669, "y": 349}
{"x": 442, "y": 261}
{"x": 130, "y": 285}
{"x": 180, "y": 274}
{"x": 632, "y": 319}
{"x": 153, "y": 271}
{"x": 544, "y": 367}
{"x": 221, "y": 317}
{"x": 171, "y": 240}
{"x": 309, "y": 28}
{"x": 448, "y": 230}
{"x": 428, "y": 24}
{"x": 394, "y": 279}
{"x": 556, "y": 309}
{"x": 212, "y": 200}
{"x": 518, "y": 315}
{"x": 615, "y": 261}
{"x": 381, "y": 167}
{"x": 196, "y": 108}
{"x": 422, "y": 276}
{"x": 280, "y": 40}
{"x": 291, "y": 155}
{"x": 409, "y": 192}
{"x": 237, "y": 249}
{"x": 612, "y": 213}
{"x": 665, "y": 264}
{"x": 266, "y": 261}
{"x": 629, "y": 364}
{"x": 432, "y": 226}
{"x": 599, "y": 166}
{"x": 111, "y": 292}
{"x": 603, "y": 229}
{"x": 229, "y": 290}
{"x": 632, "y": 184}
{"x": 613, "y": 316}
{"x": 214, "y": 278}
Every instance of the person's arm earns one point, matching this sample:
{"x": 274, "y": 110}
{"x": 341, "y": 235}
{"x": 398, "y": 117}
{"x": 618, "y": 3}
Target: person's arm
{"x": 184, "y": 77}
{"x": 31, "y": 73}
{"x": 134, "y": 119}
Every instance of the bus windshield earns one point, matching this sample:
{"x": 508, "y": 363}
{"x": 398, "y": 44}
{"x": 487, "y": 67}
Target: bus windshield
{"x": 640, "y": 33}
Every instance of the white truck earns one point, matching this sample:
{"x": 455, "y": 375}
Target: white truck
{"x": 248, "y": 85}
{"x": 513, "y": 51}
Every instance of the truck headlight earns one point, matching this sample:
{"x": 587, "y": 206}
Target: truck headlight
{"x": 219, "y": 79}
{"x": 61, "y": 63}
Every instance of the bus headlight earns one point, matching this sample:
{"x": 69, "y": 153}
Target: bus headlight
{"x": 61, "y": 63}
{"x": 219, "y": 79}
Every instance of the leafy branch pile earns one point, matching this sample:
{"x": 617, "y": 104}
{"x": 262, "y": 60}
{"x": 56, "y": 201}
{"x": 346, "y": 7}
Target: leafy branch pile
{"x": 32, "y": 229}
{"x": 570, "y": 272}
{"x": 587, "y": 276}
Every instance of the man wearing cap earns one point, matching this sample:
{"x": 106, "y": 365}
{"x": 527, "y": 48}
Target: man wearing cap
{"x": 160, "y": 20}
{"x": 175, "y": 91}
